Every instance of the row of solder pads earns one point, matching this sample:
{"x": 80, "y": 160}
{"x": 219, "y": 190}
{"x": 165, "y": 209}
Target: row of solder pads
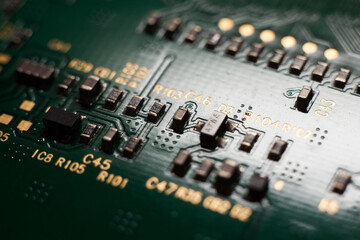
{"x": 173, "y": 27}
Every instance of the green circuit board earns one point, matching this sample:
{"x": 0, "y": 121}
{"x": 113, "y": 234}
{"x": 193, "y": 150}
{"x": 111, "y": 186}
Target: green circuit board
{"x": 171, "y": 119}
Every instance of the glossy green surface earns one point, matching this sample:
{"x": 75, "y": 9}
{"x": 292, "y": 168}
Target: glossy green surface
{"x": 41, "y": 200}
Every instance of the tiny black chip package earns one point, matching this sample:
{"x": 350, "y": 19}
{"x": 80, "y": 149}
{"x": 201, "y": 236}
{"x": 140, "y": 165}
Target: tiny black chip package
{"x": 34, "y": 74}
{"x": 134, "y": 106}
{"x": 304, "y": 98}
{"x": 257, "y": 188}
{"x": 255, "y": 52}
{"x": 180, "y": 119}
{"x": 131, "y": 147}
{"x": 155, "y": 112}
{"x": 181, "y": 163}
{"x": 212, "y": 129}
{"x": 88, "y": 133}
{"x": 60, "y": 124}
{"x": 109, "y": 140}
{"x": 90, "y": 90}
{"x": 298, "y": 65}
{"x": 277, "y": 150}
{"x": 227, "y": 177}
{"x": 113, "y": 98}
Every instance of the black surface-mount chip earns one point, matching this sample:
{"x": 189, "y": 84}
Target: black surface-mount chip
{"x": 20, "y": 37}
{"x": 341, "y": 181}
{"x": 155, "y": 112}
{"x": 357, "y": 88}
{"x": 342, "y": 78}
{"x": 131, "y": 147}
{"x": 319, "y": 71}
{"x": 257, "y": 188}
{"x": 60, "y": 124}
{"x": 193, "y": 35}
{"x": 277, "y": 150}
{"x": 113, "y": 99}
{"x": 298, "y": 65}
{"x": 10, "y": 6}
{"x": 152, "y": 22}
{"x": 181, "y": 163}
{"x": 134, "y": 106}
{"x": 213, "y": 40}
{"x": 234, "y": 46}
{"x": 276, "y": 59}
{"x": 249, "y": 140}
{"x": 172, "y": 28}
{"x": 90, "y": 90}
{"x": 204, "y": 170}
{"x": 304, "y": 98}
{"x": 88, "y": 133}
{"x": 213, "y": 128}
{"x": 66, "y": 84}
{"x": 227, "y": 177}
{"x": 109, "y": 140}
{"x": 34, "y": 74}
{"x": 180, "y": 118}
{"x": 254, "y": 53}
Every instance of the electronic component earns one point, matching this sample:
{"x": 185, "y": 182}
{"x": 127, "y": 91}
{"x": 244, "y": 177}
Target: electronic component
{"x": 342, "y": 78}
{"x": 277, "y": 150}
{"x": 298, "y": 65}
{"x": 212, "y": 129}
{"x": 131, "y": 147}
{"x": 172, "y": 28}
{"x": 180, "y": 118}
{"x": 90, "y": 90}
{"x": 255, "y": 52}
{"x": 234, "y": 46}
{"x": 34, "y": 74}
{"x": 249, "y": 140}
{"x": 227, "y": 177}
{"x": 181, "y": 163}
{"x": 304, "y": 98}
{"x": 257, "y": 188}
{"x": 88, "y": 133}
{"x": 109, "y": 140}
{"x": 11, "y": 6}
{"x": 20, "y": 37}
{"x": 152, "y": 22}
{"x": 66, "y": 84}
{"x": 193, "y": 35}
{"x": 213, "y": 40}
{"x": 341, "y": 181}
{"x": 276, "y": 59}
{"x": 155, "y": 112}
{"x": 60, "y": 124}
{"x": 134, "y": 106}
{"x": 126, "y": 185}
{"x": 204, "y": 170}
{"x": 319, "y": 71}
{"x": 113, "y": 98}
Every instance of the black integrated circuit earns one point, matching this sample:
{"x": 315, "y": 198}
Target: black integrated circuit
{"x": 34, "y": 74}
{"x": 60, "y": 124}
